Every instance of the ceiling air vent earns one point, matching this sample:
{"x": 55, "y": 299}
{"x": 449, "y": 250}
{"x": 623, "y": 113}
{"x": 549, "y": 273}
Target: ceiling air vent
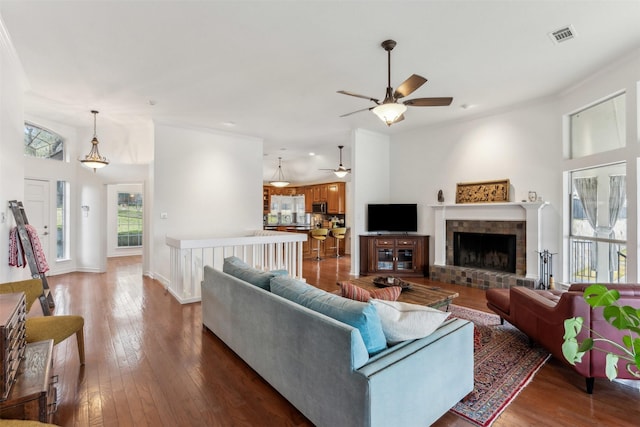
{"x": 563, "y": 34}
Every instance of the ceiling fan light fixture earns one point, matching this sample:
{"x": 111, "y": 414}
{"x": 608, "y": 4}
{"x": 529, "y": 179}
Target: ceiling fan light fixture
{"x": 279, "y": 180}
{"x": 94, "y": 160}
{"x": 389, "y": 112}
{"x": 341, "y": 172}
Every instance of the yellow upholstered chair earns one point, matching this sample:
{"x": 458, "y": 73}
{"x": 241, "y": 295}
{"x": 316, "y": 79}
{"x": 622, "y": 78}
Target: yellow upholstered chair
{"x": 338, "y": 234}
{"x": 56, "y": 328}
{"x": 24, "y": 423}
{"x": 320, "y": 235}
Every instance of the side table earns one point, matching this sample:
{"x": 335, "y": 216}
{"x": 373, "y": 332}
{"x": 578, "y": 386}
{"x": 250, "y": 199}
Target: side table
{"x": 33, "y": 395}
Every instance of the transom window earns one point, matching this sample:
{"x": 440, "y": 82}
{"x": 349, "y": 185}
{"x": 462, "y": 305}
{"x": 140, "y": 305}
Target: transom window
{"x": 41, "y": 143}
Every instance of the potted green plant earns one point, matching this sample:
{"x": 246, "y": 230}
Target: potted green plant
{"x": 623, "y": 318}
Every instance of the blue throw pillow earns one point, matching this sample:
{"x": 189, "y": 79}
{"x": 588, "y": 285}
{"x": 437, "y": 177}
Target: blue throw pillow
{"x": 239, "y": 269}
{"x": 362, "y": 316}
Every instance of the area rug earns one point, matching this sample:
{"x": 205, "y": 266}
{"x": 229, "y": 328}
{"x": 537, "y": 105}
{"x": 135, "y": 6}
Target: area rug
{"x": 504, "y": 364}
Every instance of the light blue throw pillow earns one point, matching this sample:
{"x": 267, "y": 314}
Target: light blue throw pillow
{"x": 239, "y": 269}
{"x": 362, "y": 316}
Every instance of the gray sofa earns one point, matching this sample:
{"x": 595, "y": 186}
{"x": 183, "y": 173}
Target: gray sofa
{"x": 322, "y": 367}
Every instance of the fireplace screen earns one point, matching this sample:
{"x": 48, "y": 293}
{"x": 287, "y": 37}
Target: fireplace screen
{"x": 486, "y": 251}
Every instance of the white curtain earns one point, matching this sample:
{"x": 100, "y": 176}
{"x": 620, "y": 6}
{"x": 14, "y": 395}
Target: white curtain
{"x": 587, "y": 189}
{"x": 617, "y": 198}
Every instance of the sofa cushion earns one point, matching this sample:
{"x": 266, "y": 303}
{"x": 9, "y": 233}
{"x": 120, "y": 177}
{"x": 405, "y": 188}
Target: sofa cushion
{"x": 351, "y": 291}
{"x": 239, "y": 269}
{"x": 403, "y": 321}
{"x": 362, "y": 316}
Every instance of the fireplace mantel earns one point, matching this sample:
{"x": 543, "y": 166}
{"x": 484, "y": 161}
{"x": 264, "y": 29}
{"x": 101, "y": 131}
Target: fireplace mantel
{"x": 507, "y": 211}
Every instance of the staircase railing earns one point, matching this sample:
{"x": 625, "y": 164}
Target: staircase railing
{"x": 262, "y": 249}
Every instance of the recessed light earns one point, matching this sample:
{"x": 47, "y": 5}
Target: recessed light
{"x": 229, "y": 124}
{"x": 467, "y": 106}
{"x": 312, "y": 153}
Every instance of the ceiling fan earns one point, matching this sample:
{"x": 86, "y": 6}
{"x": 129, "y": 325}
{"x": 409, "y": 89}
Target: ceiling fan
{"x": 390, "y": 110}
{"x": 340, "y": 171}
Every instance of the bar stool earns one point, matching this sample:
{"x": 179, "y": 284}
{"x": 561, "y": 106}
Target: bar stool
{"x": 338, "y": 234}
{"x": 320, "y": 235}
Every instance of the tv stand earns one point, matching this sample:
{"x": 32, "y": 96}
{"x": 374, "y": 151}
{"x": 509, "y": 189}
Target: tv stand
{"x": 394, "y": 254}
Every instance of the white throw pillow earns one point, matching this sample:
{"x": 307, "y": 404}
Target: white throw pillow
{"x": 403, "y": 321}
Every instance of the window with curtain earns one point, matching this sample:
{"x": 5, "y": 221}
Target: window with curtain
{"x": 129, "y": 219}
{"x": 598, "y": 224}
{"x": 598, "y": 128}
{"x": 39, "y": 142}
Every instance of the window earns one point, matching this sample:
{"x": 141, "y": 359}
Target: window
{"x": 598, "y": 224}
{"x": 42, "y": 143}
{"x": 129, "y": 219}
{"x": 599, "y": 128}
{"x": 62, "y": 219}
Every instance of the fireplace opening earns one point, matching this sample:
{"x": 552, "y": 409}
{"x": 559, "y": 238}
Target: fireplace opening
{"x": 486, "y": 251}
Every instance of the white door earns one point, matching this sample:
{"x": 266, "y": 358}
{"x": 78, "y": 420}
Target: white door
{"x": 36, "y": 208}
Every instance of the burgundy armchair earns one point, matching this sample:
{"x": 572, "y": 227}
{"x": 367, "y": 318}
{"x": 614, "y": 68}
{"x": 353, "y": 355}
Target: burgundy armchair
{"x": 541, "y": 315}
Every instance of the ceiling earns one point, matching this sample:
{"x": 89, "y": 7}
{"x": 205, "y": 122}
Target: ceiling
{"x": 271, "y": 69}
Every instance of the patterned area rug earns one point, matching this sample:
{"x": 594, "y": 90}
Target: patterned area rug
{"x": 504, "y": 365}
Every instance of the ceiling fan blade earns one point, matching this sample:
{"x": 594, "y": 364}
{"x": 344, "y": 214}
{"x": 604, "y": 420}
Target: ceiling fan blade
{"x": 344, "y": 92}
{"x": 358, "y": 111}
{"x": 428, "y": 102}
{"x": 409, "y": 85}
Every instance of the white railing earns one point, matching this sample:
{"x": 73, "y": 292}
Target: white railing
{"x": 262, "y": 249}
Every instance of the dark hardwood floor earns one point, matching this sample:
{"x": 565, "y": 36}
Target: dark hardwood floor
{"x": 150, "y": 362}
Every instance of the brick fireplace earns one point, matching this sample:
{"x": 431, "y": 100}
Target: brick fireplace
{"x": 494, "y": 232}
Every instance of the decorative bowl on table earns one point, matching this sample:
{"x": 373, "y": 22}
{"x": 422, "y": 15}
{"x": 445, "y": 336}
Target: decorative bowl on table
{"x": 386, "y": 281}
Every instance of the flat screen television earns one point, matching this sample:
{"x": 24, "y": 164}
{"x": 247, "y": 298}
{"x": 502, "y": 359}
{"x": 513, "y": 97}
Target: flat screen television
{"x": 392, "y": 217}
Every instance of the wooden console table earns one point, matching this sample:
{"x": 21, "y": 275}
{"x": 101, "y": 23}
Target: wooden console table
{"x": 33, "y": 395}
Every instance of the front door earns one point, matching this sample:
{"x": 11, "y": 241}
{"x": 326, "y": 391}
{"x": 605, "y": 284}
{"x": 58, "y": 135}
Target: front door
{"x": 36, "y": 208}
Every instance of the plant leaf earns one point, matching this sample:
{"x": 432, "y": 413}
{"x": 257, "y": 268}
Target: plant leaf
{"x": 586, "y": 345}
{"x": 570, "y": 351}
{"x": 612, "y": 366}
{"x": 572, "y": 327}
{"x": 600, "y": 296}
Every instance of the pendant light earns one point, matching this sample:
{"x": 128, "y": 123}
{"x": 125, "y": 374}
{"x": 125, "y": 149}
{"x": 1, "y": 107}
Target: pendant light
{"x": 94, "y": 160}
{"x": 279, "y": 180}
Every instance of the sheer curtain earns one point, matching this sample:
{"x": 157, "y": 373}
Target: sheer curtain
{"x": 587, "y": 189}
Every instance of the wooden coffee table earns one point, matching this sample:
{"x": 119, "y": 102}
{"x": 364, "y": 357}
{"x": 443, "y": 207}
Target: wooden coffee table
{"x": 418, "y": 293}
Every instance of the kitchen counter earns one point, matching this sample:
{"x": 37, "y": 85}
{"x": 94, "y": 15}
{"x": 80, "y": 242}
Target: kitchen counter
{"x": 286, "y": 227}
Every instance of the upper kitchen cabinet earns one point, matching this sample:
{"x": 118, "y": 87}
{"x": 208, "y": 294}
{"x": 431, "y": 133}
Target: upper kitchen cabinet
{"x": 308, "y": 198}
{"x": 335, "y": 198}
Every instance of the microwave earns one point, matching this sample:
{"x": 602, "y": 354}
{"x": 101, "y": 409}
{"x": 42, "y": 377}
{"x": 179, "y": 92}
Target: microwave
{"x": 319, "y": 208}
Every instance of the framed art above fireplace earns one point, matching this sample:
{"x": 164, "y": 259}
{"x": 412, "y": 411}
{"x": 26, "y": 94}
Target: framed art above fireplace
{"x": 483, "y": 192}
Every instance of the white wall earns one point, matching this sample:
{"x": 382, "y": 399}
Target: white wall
{"x": 523, "y": 144}
{"x": 12, "y": 86}
{"x": 208, "y": 183}
{"x": 369, "y": 183}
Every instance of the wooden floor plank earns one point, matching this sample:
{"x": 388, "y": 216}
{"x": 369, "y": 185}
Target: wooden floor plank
{"x": 151, "y": 363}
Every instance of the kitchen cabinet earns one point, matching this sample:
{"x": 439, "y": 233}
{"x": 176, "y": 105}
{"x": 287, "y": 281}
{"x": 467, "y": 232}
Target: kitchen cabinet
{"x": 394, "y": 254}
{"x": 333, "y": 194}
{"x": 308, "y": 198}
{"x": 323, "y": 192}
{"x": 335, "y": 198}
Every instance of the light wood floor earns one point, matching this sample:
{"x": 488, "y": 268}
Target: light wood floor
{"x": 150, "y": 362}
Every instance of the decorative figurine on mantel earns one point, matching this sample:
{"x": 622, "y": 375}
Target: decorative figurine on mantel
{"x": 440, "y": 196}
